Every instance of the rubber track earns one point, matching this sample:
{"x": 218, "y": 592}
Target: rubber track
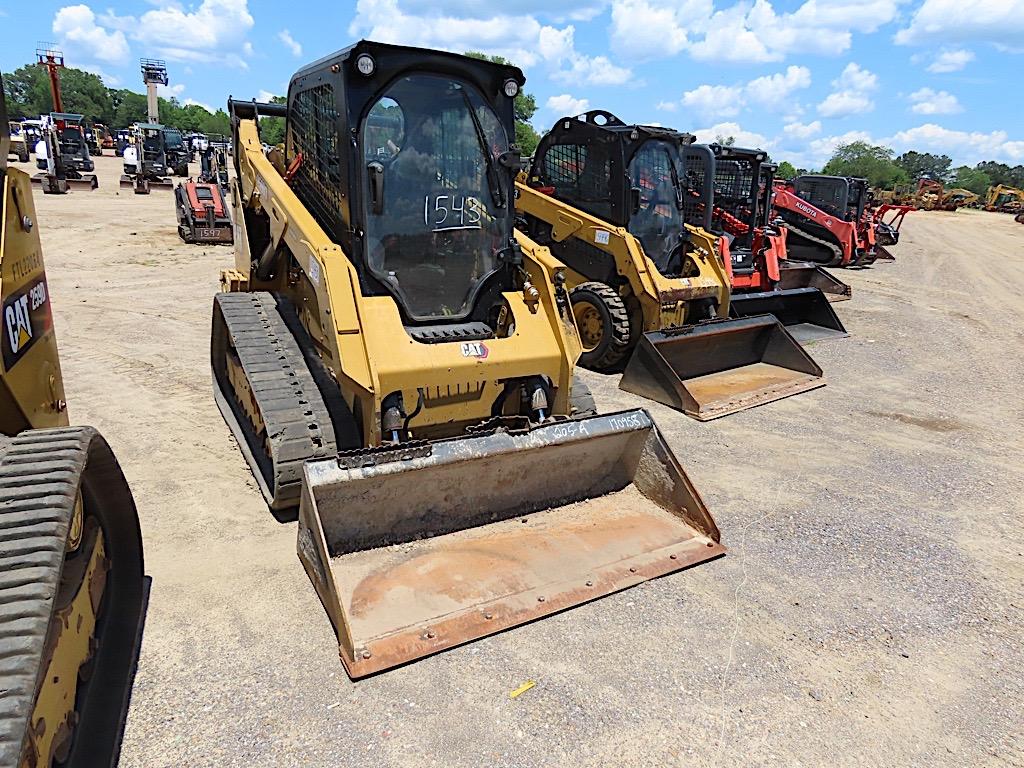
{"x": 837, "y": 252}
{"x": 297, "y": 420}
{"x": 41, "y": 472}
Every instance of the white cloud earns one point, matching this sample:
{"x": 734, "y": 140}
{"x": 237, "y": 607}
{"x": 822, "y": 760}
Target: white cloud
{"x": 725, "y": 130}
{"x": 521, "y": 39}
{"x": 964, "y": 147}
{"x": 286, "y": 37}
{"x": 598, "y": 70}
{"x": 76, "y": 27}
{"x": 951, "y": 61}
{"x": 666, "y": 106}
{"x": 856, "y": 78}
{"x": 205, "y": 106}
{"x": 845, "y": 104}
{"x": 641, "y": 30}
{"x": 768, "y": 93}
{"x": 953, "y": 21}
{"x": 558, "y": 47}
{"x": 816, "y": 152}
{"x": 214, "y": 32}
{"x": 775, "y": 91}
{"x": 730, "y": 38}
{"x": 928, "y": 102}
{"x": 801, "y": 130}
{"x": 713, "y": 101}
{"x": 565, "y": 105}
{"x": 851, "y": 96}
{"x": 755, "y": 32}
{"x": 580, "y": 10}
{"x": 266, "y": 96}
{"x": 170, "y": 91}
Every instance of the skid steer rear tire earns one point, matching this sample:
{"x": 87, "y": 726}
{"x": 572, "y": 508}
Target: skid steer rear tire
{"x": 603, "y": 323}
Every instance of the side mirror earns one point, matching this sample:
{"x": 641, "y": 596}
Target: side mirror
{"x": 634, "y": 200}
{"x": 376, "y": 174}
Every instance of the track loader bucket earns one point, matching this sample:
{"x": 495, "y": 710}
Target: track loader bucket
{"x": 802, "y": 274}
{"x": 422, "y": 548}
{"x": 719, "y": 367}
{"x": 805, "y": 312}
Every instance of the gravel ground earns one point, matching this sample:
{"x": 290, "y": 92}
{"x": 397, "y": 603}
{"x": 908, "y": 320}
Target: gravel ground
{"x": 868, "y": 612}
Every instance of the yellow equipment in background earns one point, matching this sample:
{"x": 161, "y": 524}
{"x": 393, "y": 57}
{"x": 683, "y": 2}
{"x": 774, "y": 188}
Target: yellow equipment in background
{"x": 398, "y": 363}
{"x": 649, "y": 292}
{"x": 71, "y": 579}
{"x": 1004, "y": 199}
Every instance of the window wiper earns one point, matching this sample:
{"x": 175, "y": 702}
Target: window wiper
{"x": 493, "y": 181}
{"x": 675, "y": 181}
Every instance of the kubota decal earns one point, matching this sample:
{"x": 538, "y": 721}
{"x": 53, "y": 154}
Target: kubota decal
{"x": 475, "y": 349}
{"x": 807, "y": 209}
{"x": 26, "y": 317}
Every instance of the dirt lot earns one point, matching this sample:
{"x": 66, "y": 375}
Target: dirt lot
{"x": 868, "y": 612}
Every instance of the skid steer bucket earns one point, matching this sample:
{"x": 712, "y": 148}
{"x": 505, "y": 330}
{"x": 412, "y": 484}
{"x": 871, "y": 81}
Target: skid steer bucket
{"x": 802, "y": 274}
{"x": 805, "y": 312}
{"x": 719, "y": 367}
{"x": 421, "y": 548}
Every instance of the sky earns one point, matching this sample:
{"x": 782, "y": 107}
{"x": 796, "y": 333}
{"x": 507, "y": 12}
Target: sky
{"x": 794, "y": 78}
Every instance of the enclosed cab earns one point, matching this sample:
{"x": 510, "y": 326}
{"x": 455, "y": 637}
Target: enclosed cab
{"x": 72, "y": 141}
{"x": 395, "y": 359}
{"x": 62, "y": 155}
{"x": 177, "y": 153}
{"x": 828, "y": 219}
{"x": 650, "y": 291}
{"x": 145, "y": 160}
{"x": 731, "y": 191}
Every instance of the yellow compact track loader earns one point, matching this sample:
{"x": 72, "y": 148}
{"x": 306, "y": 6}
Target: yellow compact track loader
{"x": 71, "y": 579}
{"x": 651, "y": 293}
{"x": 398, "y": 363}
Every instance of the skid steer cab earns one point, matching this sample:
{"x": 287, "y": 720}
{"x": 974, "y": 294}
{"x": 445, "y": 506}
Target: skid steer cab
{"x": 397, "y": 362}
{"x": 62, "y": 155}
{"x": 752, "y": 244}
{"x": 651, "y": 293}
{"x": 145, "y": 160}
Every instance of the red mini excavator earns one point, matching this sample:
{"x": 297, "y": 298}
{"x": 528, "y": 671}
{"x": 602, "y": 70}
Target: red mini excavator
{"x": 729, "y": 194}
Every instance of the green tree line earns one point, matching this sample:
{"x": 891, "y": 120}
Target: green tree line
{"x": 886, "y": 170}
{"x": 28, "y": 95}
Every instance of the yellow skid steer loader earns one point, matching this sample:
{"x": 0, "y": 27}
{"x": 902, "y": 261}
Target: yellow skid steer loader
{"x": 649, "y": 292}
{"x": 397, "y": 362}
{"x": 72, "y": 591}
